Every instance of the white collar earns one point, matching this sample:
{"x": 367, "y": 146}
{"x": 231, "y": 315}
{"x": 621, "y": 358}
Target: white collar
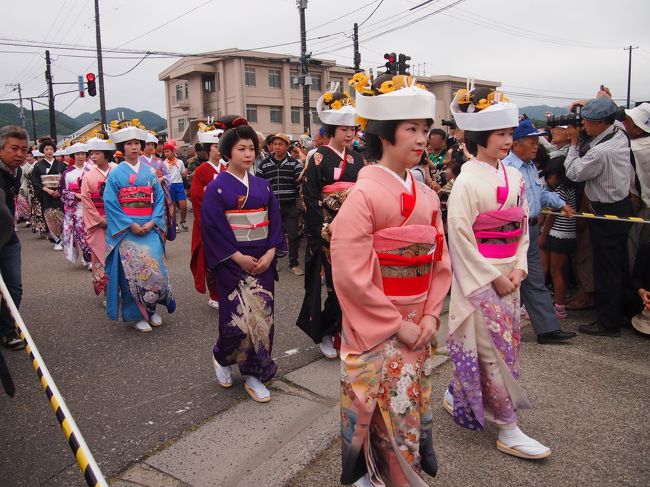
{"x": 243, "y": 180}
{"x": 134, "y": 167}
{"x": 340, "y": 154}
{"x": 406, "y": 183}
{"x": 217, "y": 167}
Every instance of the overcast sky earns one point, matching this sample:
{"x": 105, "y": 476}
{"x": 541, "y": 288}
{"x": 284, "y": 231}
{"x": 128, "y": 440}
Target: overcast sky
{"x": 552, "y": 50}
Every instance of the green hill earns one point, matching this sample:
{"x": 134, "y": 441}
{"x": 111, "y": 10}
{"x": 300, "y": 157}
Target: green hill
{"x": 65, "y": 125}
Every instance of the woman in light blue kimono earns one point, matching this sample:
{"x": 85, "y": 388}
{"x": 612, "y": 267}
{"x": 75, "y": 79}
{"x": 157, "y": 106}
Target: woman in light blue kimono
{"x": 134, "y": 204}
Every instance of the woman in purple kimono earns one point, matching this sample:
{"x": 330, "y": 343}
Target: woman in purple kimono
{"x": 242, "y": 236}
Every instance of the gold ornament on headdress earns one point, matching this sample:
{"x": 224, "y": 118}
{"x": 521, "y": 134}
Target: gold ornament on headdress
{"x": 361, "y": 83}
{"x": 116, "y": 125}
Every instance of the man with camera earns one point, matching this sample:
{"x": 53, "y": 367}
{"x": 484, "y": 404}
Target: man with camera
{"x": 604, "y": 164}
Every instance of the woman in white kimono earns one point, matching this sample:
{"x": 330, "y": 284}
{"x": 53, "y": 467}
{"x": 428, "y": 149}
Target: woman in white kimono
{"x": 488, "y": 241}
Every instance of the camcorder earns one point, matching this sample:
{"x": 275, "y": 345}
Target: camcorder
{"x": 573, "y": 119}
{"x": 449, "y": 123}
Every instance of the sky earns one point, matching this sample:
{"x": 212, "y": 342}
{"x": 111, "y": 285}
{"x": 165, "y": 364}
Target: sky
{"x": 548, "y": 52}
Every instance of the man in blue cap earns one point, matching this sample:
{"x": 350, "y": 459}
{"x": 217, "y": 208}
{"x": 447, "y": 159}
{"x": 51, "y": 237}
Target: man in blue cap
{"x": 534, "y": 293}
{"x": 605, "y": 166}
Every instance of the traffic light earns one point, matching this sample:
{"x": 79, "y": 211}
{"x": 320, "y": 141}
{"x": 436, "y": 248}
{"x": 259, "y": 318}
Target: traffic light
{"x": 92, "y": 84}
{"x": 402, "y": 67}
{"x": 391, "y": 67}
{"x": 82, "y": 86}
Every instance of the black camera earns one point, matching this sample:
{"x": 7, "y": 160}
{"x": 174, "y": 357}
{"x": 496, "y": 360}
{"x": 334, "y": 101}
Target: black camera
{"x": 449, "y": 123}
{"x": 573, "y": 119}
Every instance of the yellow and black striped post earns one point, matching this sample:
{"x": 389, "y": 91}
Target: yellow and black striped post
{"x": 592, "y": 216}
{"x": 84, "y": 457}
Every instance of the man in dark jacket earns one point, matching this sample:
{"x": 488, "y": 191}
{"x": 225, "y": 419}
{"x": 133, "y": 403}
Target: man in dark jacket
{"x": 13, "y": 150}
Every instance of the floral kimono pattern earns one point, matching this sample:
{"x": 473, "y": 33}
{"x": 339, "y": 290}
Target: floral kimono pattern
{"x": 74, "y": 230}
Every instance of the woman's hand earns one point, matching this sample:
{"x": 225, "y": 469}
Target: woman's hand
{"x": 429, "y": 326}
{"x": 645, "y": 297}
{"x": 246, "y": 262}
{"x": 264, "y": 262}
{"x": 102, "y": 223}
{"x": 136, "y": 229}
{"x": 147, "y": 227}
{"x": 409, "y": 333}
{"x": 516, "y": 276}
{"x": 503, "y": 285}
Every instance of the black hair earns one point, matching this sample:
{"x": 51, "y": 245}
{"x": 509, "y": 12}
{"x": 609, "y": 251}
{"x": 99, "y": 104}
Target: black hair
{"x": 45, "y": 143}
{"x": 268, "y": 139}
{"x": 381, "y": 129}
{"x": 555, "y": 167}
{"x": 231, "y": 136}
{"x": 542, "y": 158}
{"x": 198, "y": 146}
{"x": 439, "y": 132}
{"x": 329, "y": 130}
{"x": 455, "y": 168}
{"x": 120, "y": 145}
{"x": 108, "y": 154}
{"x": 206, "y": 147}
{"x": 475, "y": 138}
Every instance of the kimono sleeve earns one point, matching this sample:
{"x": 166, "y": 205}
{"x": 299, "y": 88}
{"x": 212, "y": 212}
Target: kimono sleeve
{"x": 440, "y": 277}
{"x": 219, "y": 243}
{"x": 276, "y": 232}
{"x": 117, "y": 221}
{"x": 472, "y": 271}
{"x": 158, "y": 215}
{"x": 311, "y": 191}
{"x": 371, "y": 315}
{"x": 37, "y": 183}
{"x": 91, "y": 216}
{"x": 197, "y": 190}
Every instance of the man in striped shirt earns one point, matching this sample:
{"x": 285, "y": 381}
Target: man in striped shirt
{"x": 606, "y": 168}
{"x": 283, "y": 172}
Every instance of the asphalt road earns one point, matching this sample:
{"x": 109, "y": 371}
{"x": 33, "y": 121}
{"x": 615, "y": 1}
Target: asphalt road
{"x": 129, "y": 393}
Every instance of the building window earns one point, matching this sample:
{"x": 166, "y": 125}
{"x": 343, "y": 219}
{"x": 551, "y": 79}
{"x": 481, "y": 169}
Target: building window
{"x": 251, "y": 113}
{"x": 187, "y": 91}
{"x": 181, "y": 126}
{"x": 315, "y": 118}
{"x": 295, "y": 115}
{"x": 316, "y": 83}
{"x": 179, "y": 92}
{"x": 340, "y": 82}
{"x": 209, "y": 83}
{"x": 275, "y": 114}
{"x": 275, "y": 78}
{"x": 295, "y": 80}
{"x": 217, "y": 77}
{"x": 249, "y": 77}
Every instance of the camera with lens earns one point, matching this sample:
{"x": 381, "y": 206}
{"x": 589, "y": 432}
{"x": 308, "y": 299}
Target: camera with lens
{"x": 573, "y": 119}
{"x": 449, "y": 123}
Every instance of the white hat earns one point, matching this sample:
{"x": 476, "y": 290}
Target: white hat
{"x": 640, "y": 116}
{"x": 128, "y": 133}
{"x": 100, "y": 144}
{"x": 151, "y": 138}
{"x": 38, "y": 153}
{"x": 641, "y": 322}
{"x": 210, "y": 136}
{"x": 59, "y": 152}
{"x": 336, "y": 108}
{"x": 408, "y": 103}
{"x": 497, "y": 114}
{"x": 77, "y": 148}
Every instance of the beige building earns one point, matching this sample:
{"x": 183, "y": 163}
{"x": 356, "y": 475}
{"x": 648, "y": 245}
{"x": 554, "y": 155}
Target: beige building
{"x": 261, "y": 86}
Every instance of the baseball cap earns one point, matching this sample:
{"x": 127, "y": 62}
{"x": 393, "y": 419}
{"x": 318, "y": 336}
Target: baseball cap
{"x": 526, "y": 129}
{"x": 640, "y": 116}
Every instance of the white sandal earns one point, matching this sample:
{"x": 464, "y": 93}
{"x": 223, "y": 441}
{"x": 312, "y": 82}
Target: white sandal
{"x": 224, "y": 374}
{"x": 514, "y": 442}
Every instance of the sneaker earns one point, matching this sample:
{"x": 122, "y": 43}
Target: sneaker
{"x": 560, "y": 311}
{"x": 297, "y": 271}
{"x": 224, "y": 374}
{"x": 142, "y": 326}
{"x": 12, "y": 341}
{"x": 327, "y": 347}
{"x": 28, "y": 224}
{"x": 213, "y": 304}
{"x": 155, "y": 320}
{"x": 256, "y": 389}
{"x": 524, "y": 314}
{"x": 184, "y": 227}
{"x": 58, "y": 246}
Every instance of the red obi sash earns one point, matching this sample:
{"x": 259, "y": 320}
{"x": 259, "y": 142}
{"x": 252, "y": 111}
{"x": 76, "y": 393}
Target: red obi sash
{"x": 249, "y": 225}
{"x": 496, "y": 226}
{"x": 74, "y": 188}
{"x": 336, "y": 187}
{"x": 136, "y": 200}
{"x": 415, "y": 248}
{"x": 98, "y": 201}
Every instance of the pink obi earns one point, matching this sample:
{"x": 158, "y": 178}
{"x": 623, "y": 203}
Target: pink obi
{"x": 336, "y": 187}
{"x": 136, "y": 200}
{"x": 406, "y": 256}
{"x": 249, "y": 225}
{"x": 74, "y": 188}
{"x": 497, "y": 232}
{"x": 98, "y": 201}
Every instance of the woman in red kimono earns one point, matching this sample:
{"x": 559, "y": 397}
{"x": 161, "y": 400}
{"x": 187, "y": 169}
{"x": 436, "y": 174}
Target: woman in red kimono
{"x": 209, "y": 136}
{"x": 392, "y": 271}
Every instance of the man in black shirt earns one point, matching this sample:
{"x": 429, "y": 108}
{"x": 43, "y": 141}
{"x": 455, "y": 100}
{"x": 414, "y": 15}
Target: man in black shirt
{"x": 13, "y": 150}
{"x": 283, "y": 172}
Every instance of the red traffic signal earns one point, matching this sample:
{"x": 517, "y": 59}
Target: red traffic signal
{"x": 391, "y": 66}
{"x": 92, "y": 84}
{"x": 390, "y": 57}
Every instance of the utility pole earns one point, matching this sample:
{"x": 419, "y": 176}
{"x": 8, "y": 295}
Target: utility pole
{"x": 357, "y": 54}
{"x": 48, "y": 79}
{"x": 629, "y": 72}
{"x": 304, "y": 64}
{"x": 33, "y": 120}
{"x": 17, "y": 87}
{"x": 100, "y": 66}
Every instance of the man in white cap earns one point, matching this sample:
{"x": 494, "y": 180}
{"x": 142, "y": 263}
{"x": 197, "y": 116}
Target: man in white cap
{"x": 637, "y": 126}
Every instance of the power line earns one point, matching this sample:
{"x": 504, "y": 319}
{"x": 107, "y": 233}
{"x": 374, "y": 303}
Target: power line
{"x": 128, "y": 70}
{"x": 343, "y": 16}
{"x": 371, "y": 13}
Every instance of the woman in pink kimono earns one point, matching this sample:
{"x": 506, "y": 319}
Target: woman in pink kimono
{"x": 92, "y": 189}
{"x": 488, "y": 240}
{"x": 392, "y": 271}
